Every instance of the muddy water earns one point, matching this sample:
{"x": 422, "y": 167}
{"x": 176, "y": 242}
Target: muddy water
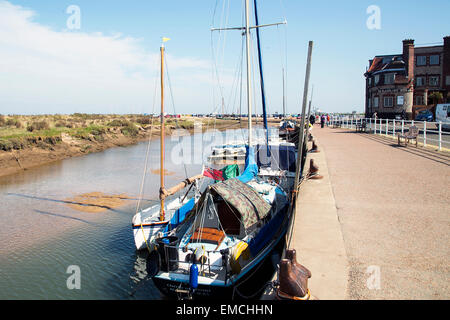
{"x": 41, "y": 236}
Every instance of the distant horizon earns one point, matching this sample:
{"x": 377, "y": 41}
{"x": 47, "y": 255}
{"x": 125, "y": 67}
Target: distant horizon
{"x": 104, "y": 58}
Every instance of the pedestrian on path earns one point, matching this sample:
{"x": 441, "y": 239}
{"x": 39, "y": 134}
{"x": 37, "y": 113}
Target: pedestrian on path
{"x": 322, "y": 121}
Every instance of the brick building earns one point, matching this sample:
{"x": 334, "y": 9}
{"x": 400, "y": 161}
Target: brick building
{"x": 397, "y": 84}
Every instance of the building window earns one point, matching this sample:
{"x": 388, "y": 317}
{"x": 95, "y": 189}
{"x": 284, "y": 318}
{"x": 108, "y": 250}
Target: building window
{"x": 376, "y": 102}
{"x": 400, "y": 100}
{"x": 377, "y": 79}
{"x": 421, "y": 60}
{"x": 388, "y": 102}
{"x": 434, "y": 81}
{"x": 389, "y": 78}
{"x": 447, "y": 80}
{"x": 370, "y": 81}
{"x": 420, "y": 81}
{"x": 434, "y": 60}
{"x": 420, "y": 101}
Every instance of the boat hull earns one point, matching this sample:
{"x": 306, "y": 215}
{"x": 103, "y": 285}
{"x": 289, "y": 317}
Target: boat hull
{"x": 144, "y": 235}
{"x": 248, "y": 287}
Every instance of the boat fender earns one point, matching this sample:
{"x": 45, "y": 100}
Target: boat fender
{"x": 193, "y": 276}
{"x": 240, "y": 250}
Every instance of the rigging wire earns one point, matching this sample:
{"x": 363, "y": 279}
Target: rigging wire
{"x": 141, "y": 190}
{"x": 175, "y": 113}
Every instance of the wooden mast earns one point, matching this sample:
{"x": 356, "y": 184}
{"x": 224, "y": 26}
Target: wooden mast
{"x": 162, "y": 212}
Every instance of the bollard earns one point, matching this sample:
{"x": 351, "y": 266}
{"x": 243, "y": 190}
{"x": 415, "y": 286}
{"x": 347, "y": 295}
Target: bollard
{"x": 314, "y": 171}
{"x": 314, "y": 148}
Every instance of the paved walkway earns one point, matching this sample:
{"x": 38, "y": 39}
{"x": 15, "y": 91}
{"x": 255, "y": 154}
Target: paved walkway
{"x": 393, "y": 206}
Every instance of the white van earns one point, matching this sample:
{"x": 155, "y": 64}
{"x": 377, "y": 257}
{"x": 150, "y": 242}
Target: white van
{"x": 443, "y": 115}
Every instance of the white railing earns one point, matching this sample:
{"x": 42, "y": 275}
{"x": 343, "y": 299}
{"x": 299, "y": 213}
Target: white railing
{"x": 430, "y": 133}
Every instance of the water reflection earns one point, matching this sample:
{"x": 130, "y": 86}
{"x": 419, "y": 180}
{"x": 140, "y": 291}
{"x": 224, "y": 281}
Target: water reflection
{"x": 145, "y": 267}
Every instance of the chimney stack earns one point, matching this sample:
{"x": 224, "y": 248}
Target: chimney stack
{"x": 446, "y": 63}
{"x": 408, "y": 57}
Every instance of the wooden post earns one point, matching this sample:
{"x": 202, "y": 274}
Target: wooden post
{"x": 302, "y": 126}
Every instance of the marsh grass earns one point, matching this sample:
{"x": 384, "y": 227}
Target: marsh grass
{"x": 20, "y": 131}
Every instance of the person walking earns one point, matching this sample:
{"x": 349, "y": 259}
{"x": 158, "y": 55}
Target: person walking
{"x": 322, "y": 121}
{"x": 312, "y": 119}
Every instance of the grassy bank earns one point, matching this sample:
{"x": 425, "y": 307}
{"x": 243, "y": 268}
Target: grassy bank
{"x": 28, "y": 141}
{"x": 44, "y": 131}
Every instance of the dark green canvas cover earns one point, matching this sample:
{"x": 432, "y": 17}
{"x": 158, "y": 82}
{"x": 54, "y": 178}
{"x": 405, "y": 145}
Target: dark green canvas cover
{"x": 244, "y": 199}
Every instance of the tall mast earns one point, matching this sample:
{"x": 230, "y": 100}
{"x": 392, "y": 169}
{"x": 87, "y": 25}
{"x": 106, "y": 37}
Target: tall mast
{"x": 284, "y": 98}
{"x": 263, "y": 91}
{"x": 247, "y": 29}
{"x": 161, "y": 212}
{"x": 249, "y": 72}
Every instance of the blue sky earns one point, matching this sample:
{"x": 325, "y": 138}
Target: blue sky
{"x": 109, "y": 64}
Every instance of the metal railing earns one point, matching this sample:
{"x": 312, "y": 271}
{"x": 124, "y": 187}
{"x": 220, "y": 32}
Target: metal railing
{"x": 430, "y": 133}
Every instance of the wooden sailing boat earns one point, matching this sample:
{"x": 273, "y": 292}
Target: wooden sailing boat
{"x": 219, "y": 250}
{"x": 149, "y": 223}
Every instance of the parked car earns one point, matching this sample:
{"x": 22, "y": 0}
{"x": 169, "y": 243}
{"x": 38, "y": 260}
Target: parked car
{"x": 443, "y": 115}
{"x": 425, "y": 115}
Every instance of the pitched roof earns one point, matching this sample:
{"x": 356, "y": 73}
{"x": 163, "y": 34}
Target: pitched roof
{"x": 385, "y": 63}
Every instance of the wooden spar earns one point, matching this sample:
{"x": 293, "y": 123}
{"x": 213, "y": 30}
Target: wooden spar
{"x": 162, "y": 212}
{"x": 164, "y": 193}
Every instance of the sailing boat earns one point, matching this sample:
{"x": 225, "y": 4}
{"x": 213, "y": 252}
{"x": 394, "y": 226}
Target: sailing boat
{"x": 149, "y": 223}
{"x": 234, "y": 229}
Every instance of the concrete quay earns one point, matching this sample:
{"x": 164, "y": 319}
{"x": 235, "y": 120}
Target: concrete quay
{"x": 377, "y": 226}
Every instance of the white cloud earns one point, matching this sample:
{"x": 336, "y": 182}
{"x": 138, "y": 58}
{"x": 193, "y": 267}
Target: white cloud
{"x": 48, "y": 71}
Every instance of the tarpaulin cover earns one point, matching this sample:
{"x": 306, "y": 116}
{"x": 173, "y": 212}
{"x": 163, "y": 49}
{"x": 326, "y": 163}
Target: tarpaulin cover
{"x": 280, "y": 157}
{"x": 244, "y": 199}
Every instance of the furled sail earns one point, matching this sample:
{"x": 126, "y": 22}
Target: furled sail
{"x": 251, "y": 168}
